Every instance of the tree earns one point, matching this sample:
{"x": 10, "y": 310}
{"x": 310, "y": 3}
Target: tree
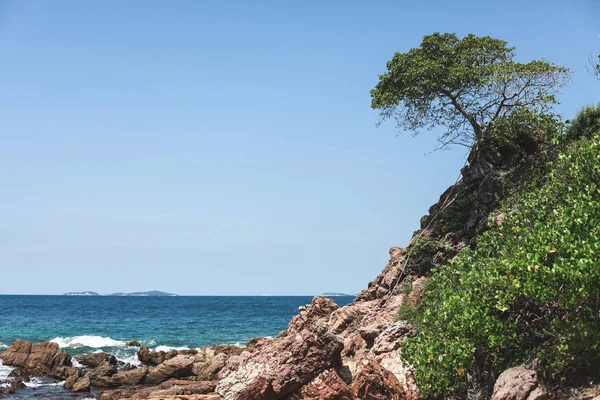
{"x": 464, "y": 85}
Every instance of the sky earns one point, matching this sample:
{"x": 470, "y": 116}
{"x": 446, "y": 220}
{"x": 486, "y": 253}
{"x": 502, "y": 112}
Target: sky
{"x": 229, "y": 147}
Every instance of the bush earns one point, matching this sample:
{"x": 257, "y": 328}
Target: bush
{"x": 421, "y": 253}
{"x": 586, "y": 124}
{"x": 532, "y": 288}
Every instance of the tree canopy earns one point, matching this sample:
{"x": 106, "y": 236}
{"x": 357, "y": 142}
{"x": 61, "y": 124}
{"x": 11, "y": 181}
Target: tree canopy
{"x": 464, "y": 85}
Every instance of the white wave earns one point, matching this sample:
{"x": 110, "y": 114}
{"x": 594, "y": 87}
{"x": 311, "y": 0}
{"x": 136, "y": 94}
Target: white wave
{"x": 133, "y": 360}
{"x": 3, "y": 346}
{"x": 4, "y": 370}
{"x": 166, "y": 349}
{"x": 39, "y": 382}
{"x": 76, "y": 363}
{"x": 87, "y": 341}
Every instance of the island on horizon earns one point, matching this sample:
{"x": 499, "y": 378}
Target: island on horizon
{"x": 154, "y": 293}
{"x": 335, "y": 294}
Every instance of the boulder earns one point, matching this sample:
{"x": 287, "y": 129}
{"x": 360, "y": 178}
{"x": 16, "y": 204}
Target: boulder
{"x": 104, "y": 369}
{"x": 327, "y": 386}
{"x": 176, "y": 367}
{"x": 83, "y": 384}
{"x": 151, "y": 357}
{"x": 69, "y": 374}
{"x": 36, "y": 359}
{"x": 376, "y": 383}
{"x": 130, "y": 378}
{"x": 133, "y": 343}
{"x": 93, "y": 360}
{"x": 17, "y": 384}
{"x": 518, "y": 383}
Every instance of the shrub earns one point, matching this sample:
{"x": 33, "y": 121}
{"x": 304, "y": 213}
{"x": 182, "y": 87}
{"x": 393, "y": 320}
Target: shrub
{"x": 586, "y": 124}
{"x": 532, "y": 288}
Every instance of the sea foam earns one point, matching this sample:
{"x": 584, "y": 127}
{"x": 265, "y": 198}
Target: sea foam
{"x": 166, "y": 349}
{"x": 87, "y": 341}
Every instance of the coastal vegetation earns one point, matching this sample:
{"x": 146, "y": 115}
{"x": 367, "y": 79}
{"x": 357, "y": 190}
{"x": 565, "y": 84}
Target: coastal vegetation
{"x": 527, "y": 288}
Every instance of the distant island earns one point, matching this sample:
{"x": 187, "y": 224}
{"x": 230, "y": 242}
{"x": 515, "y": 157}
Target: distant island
{"x": 336, "y": 294}
{"x": 88, "y": 293}
{"x": 153, "y": 293}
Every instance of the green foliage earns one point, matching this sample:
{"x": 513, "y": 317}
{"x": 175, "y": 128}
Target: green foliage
{"x": 531, "y": 289}
{"x": 420, "y": 255}
{"x": 464, "y": 85}
{"x": 586, "y": 124}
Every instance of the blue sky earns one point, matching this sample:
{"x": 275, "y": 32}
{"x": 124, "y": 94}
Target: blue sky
{"x": 204, "y": 147}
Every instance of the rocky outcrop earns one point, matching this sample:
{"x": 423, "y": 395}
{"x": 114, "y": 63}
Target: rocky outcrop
{"x": 519, "y": 383}
{"x": 133, "y": 343}
{"x": 285, "y": 365}
{"x": 37, "y": 359}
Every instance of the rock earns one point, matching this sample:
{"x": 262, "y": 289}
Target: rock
{"x": 105, "y": 369}
{"x": 69, "y": 374}
{"x": 36, "y": 359}
{"x": 418, "y": 288}
{"x": 6, "y": 392}
{"x": 176, "y": 367}
{"x": 517, "y": 383}
{"x": 133, "y": 343}
{"x": 83, "y": 384}
{"x": 209, "y": 367}
{"x": 93, "y": 360}
{"x": 130, "y": 378}
{"x": 228, "y": 349}
{"x": 392, "y": 337}
{"x": 17, "y": 384}
{"x": 71, "y": 380}
{"x": 252, "y": 343}
{"x": 327, "y": 386}
{"x": 129, "y": 367}
{"x": 200, "y": 387}
{"x": 19, "y": 373}
{"x": 284, "y": 365}
{"x": 151, "y": 357}
{"x": 376, "y": 383}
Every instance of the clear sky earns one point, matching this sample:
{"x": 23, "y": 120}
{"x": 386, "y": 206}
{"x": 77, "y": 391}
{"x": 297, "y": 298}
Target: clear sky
{"x": 228, "y": 147}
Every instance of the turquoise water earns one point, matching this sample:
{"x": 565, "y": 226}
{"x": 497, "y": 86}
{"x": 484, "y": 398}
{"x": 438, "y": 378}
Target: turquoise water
{"x": 87, "y": 324}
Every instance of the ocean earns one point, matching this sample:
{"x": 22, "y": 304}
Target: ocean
{"x": 106, "y": 323}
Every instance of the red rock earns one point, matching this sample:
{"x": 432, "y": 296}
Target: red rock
{"x": 376, "y": 383}
{"x": 83, "y": 384}
{"x": 176, "y": 367}
{"x": 131, "y": 377}
{"x": 515, "y": 384}
{"x": 327, "y": 386}
{"x": 150, "y": 357}
{"x": 285, "y": 364}
{"x": 36, "y": 359}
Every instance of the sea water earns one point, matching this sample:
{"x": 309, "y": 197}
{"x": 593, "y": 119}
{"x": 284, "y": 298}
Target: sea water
{"x": 106, "y": 323}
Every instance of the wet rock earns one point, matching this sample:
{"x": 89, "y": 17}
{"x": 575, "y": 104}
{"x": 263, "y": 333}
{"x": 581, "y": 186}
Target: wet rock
{"x": 151, "y": 357}
{"x": 19, "y": 373}
{"x": 130, "y": 378}
{"x": 17, "y": 384}
{"x": 94, "y": 360}
{"x": 228, "y": 349}
{"x": 83, "y": 384}
{"x": 176, "y": 367}
{"x": 376, "y": 383}
{"x": 36, "y": 359}
{"x": 133, "y": 343}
